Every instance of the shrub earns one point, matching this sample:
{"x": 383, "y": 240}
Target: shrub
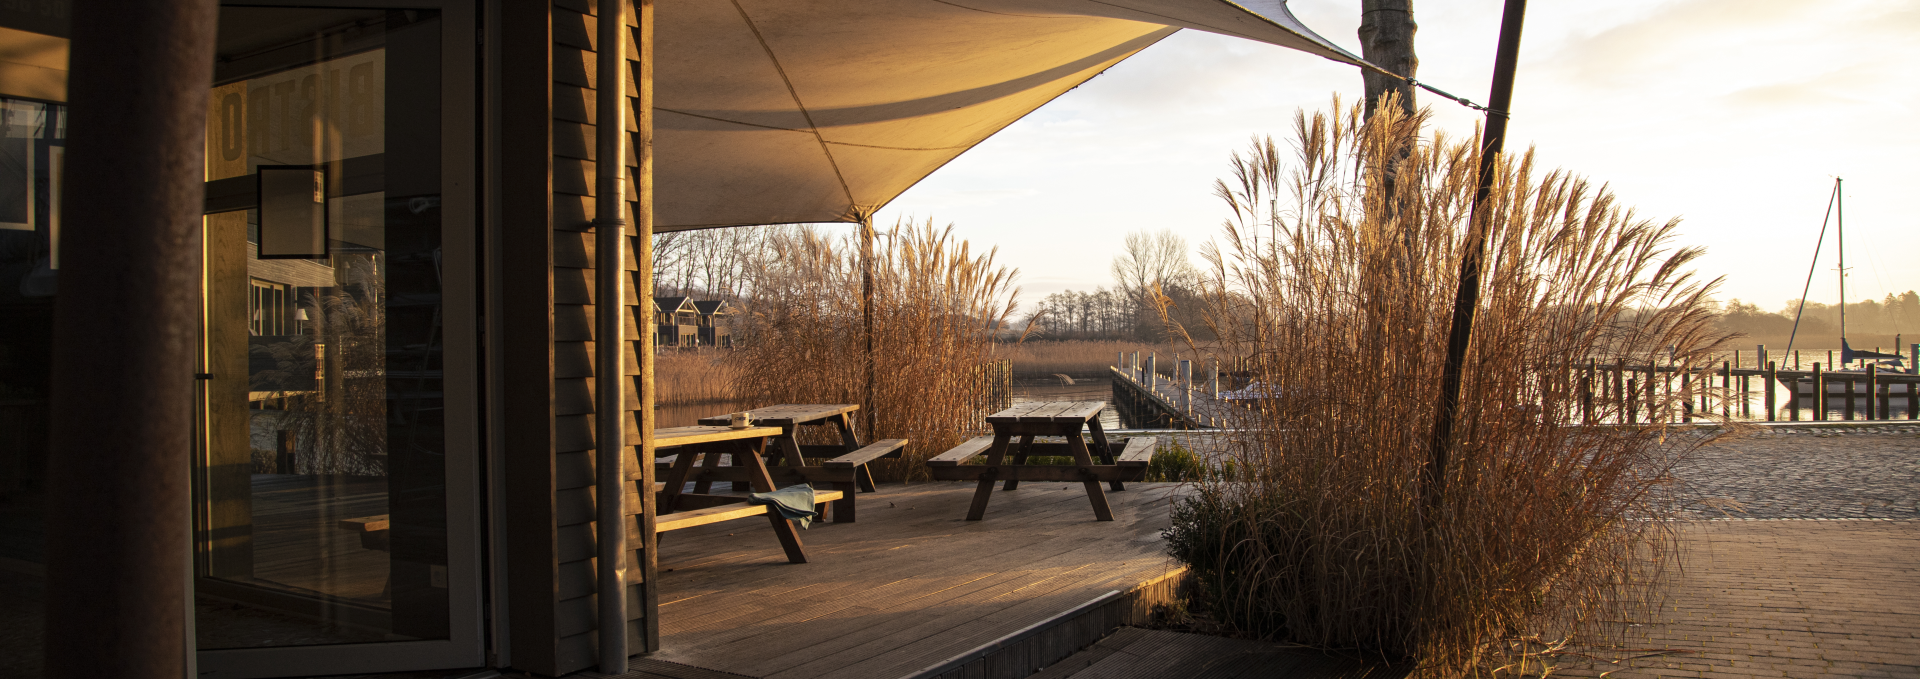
{"x": 1339, "y": 284}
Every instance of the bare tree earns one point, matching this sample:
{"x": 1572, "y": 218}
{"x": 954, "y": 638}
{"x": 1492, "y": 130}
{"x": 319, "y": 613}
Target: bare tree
{"x": 1386, "y": 39}
{"x": 1151, "y": 259}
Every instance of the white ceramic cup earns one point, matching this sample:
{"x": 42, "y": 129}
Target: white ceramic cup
{"x": 741, "y": 420}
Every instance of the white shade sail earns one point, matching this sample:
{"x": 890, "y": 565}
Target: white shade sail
{"x": 785, "y": 111}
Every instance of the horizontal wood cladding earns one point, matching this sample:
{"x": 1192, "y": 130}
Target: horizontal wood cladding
{"x": 575, "y": 432}
{"x": 575, "y": 213}
{"x": 574, "y": 177}
{"x": 573, "y": 28}
{"x": 573, "y": 104}
{"x": 575, "y": 470}
{"x": 574, "y": 323}
{"x": 573, "y": 285}
{"x": 580, "y": 647}
{"x": 579, "y": 140}
{"x": 574, "y": 396}
{"x": 575, "y": 359}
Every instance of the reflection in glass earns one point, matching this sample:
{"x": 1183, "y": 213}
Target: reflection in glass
{"x": 322, "y": 485}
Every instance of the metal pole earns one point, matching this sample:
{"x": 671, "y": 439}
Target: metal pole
{"x": 124, "y": 340}
{"x": 649, "y": 566}
{"x": 610, "y": 335}
{"x": 1499, "y": 102}
{"x": 866, "y": 317}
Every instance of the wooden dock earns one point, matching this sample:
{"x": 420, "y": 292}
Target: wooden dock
{"x": 1646, "y": 394}
{"x": 912, "y": 587}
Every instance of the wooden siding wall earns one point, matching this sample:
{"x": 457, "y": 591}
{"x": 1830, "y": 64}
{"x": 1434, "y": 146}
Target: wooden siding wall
{"x": 547, "y": 172}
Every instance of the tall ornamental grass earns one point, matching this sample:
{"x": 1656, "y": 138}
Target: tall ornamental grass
{"x": 937, "y": 307}
{"x": 1315, "y": 526}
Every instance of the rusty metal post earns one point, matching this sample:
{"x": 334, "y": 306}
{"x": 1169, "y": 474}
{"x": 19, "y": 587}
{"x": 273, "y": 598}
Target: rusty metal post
{"x": 124, "y": 340}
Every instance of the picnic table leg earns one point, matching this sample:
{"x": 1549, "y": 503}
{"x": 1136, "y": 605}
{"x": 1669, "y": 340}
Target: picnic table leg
{"x": 1019, "y": 457}
{"x": 862, "y": 476}
{"x": 996, "y": 454}
{"x": 709, "y": 462}
{"x": 676, "y": 480}
{"x": 1107, "y": 455}
{"x": 1085, "y": 458}
{"x": 783, "y": 529}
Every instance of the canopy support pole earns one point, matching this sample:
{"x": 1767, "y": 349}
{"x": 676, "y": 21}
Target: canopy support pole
{"x": 866, "y": 319}
{"x": 1467, "y": 297}
{"x": 118, "y": 586}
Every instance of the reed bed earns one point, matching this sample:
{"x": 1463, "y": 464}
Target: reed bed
{"x": 693, "y": 378}
{"x": 1314, "y": 525}
{"x": 1077, "y": 358}
{"x": 937, "y": 307}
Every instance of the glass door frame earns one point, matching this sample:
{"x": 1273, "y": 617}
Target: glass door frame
{"x": 465, "y": 452}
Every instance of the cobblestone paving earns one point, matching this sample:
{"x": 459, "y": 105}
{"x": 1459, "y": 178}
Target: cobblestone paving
{"x": 1818, "y": 575}
{"x": 1807, "y": 473}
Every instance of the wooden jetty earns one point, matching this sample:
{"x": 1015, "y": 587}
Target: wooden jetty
{"x": 1644, "y": 393}
{"x": 1147, "y": 400}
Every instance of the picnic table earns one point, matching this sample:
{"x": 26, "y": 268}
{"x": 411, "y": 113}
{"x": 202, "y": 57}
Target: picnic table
{"x": 845, "y": 470}
{"x": 1046, "y": 418}
{"x": 675, "y": 508}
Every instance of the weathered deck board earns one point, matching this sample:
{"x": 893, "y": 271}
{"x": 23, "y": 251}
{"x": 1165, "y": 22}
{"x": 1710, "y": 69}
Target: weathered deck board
{"x": 909, "y": 586}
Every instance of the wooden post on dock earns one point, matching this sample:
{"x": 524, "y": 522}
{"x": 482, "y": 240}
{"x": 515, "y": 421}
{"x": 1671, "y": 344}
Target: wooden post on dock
{"x": 1151, "y": 376}
{"x": 1727, "y": 390}
{"x": 1185, "y": 377}
{"x": 1620, "y": 387}
{"x": 1654, "y": 398}
{"x": 1773, "y": 379}
{"x": 1213, "y": 380}
{"x": 1627, "y": 406}
{"x": 1586, "y": 388}
{"x": 1686, "y": 396}
{"x": 1873, "y": 389}
{"x": 1819, "y": 393}
{"x": 1848, "y": 386}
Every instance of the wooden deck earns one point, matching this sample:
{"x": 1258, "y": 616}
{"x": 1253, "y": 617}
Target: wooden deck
{"x": 910, "y": 585}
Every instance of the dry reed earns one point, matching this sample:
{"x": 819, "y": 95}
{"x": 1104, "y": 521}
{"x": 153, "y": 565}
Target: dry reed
{"x": 692, "y": 377}
{"x": 1315, "y": 526}
{"x": 937, "y": 307}
{"x": 1079, "y": 358}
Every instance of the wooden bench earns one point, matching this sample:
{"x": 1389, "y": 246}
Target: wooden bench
{"x": 846, "y": 473}
{"x": 741, "y": 510}
{"x": 373, "y": 530}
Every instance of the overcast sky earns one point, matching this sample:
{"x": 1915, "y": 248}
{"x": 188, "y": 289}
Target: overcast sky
{"x": 1733, "y": 115}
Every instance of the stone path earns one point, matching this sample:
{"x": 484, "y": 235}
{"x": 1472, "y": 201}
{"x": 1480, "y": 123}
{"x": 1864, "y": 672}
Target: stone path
{"x": 1806, "y": 473}
{"x": 1816, "y": 573}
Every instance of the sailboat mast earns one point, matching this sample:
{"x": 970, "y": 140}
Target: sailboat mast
{"x": 1840, "y": 228}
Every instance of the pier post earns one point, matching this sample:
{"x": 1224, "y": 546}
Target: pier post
{"x": 1873, "y": 391}
{"x": 1727, "y": 390}
{"x": 1213, "y": 379}
{"x": 1686, "y": 396}
{"x": 1656, "y": 408}
{"x": 1628, "y": 406}
{"x": 1152, "y": 377}
{"x": 1772, "y": 379}
{"x": 1819, "y": 393}
{"x": 1848, "y": 381}
{"x": 1185, "y": 376}
{"x": 1586, "y": 393}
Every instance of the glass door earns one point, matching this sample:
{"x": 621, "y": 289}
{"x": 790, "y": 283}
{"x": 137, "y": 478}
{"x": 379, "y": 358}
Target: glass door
{"x": 336, "y": 494}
